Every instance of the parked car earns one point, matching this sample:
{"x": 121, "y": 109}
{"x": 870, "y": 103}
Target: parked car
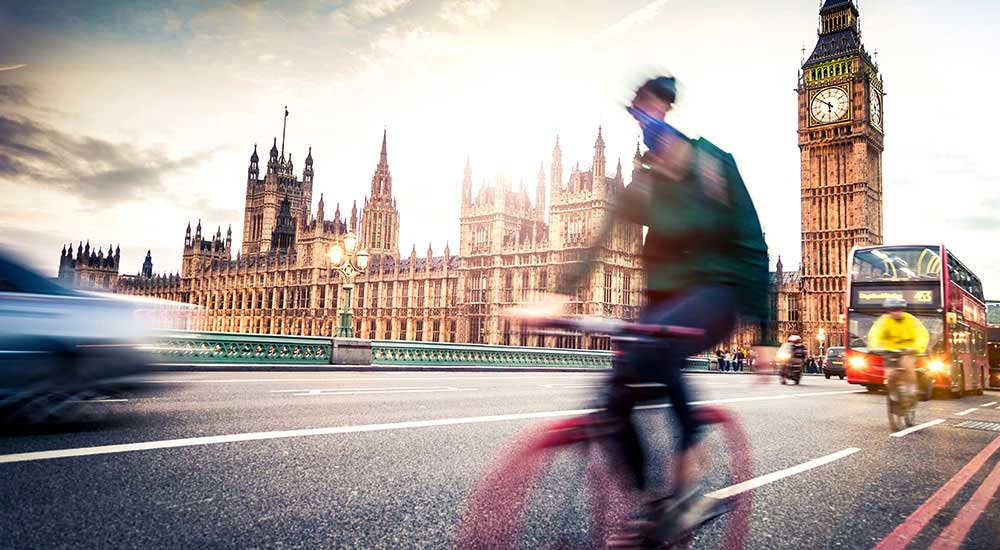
{"x": 61, "y": 347}
{"x": 834, "y": 363}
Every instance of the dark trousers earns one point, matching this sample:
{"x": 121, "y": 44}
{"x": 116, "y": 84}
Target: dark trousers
{"x": 711, "y": 308}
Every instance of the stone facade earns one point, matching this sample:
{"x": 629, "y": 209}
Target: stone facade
{"x": 510, "y": 249}
{"x": 840, "y": 134}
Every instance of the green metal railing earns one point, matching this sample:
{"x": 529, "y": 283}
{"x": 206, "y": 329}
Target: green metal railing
{"x": 178, "y": 346}
{"x": 182, "y": 347}
{"x": 434, "y": 354}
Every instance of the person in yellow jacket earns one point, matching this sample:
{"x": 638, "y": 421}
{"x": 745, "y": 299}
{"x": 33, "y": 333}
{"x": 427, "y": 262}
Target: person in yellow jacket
{"x": 897, "y": 330}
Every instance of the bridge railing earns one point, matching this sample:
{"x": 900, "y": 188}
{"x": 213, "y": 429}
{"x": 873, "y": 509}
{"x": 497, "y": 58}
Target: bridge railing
{"x": 202, "y": 347}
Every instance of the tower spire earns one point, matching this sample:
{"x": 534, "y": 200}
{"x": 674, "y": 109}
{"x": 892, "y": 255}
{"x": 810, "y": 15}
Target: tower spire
{"x": 284, "y": 124}
{"x": 384, "y": 158}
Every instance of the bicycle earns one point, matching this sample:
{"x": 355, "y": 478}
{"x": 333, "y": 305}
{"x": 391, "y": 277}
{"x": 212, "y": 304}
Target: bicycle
{"x": 494, "y": 511}
{"x": 901, "y": 400}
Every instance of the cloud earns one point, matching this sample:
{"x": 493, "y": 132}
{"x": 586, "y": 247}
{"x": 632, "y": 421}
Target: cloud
{"x": 634, "y": 18}
{"x": 18, "y": 95}
{"x": 12, "y": 67}
{"x": 375, "y": 9}
{"x": 465, "y": 14}
{"x": 89, "y": 168}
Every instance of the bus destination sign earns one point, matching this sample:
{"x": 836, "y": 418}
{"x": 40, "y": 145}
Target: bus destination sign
{"x": 914, "y": 297}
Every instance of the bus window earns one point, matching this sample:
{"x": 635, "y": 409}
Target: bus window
{"x": 859, "y": 324}
{"x": 908, "y": 263}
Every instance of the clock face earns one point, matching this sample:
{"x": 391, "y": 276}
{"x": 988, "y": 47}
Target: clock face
{"x": 830, "y": 105}
{"x": 876, "y": 107}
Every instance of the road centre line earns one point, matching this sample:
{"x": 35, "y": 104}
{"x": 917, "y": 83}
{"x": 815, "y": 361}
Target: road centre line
{"x": 910, "y": 528}
{"x": 990, "y": 404}
{"x": 259, "y": 436}
{"x": 966, "y": 411}
{"x": 750, "y": 484}
{"x": 337, "y": 379}
{"x": 369, "y": 391}
{"x": 954, "y": 534}
{"x": 918, "y": 427}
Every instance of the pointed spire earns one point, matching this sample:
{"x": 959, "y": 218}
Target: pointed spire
{"x": 254, "y": 158}
{"x": 309, "y": 157}
{"x": 600, "y": 139}
{"x": 384, "y": 154}
{"x": 618, "y": 169}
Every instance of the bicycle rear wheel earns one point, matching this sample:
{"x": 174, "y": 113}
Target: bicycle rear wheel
{"x": 535, "y": 477}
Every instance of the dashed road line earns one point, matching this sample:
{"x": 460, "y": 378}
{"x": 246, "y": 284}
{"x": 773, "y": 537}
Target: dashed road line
{"x": 285, "y": 434}
{"x": 750, "y": 484}
{"x": 372, "y": 391}
{"x": 918, "y": 427}
{"x": 990, "y": 404}
{"x": 966, "y": 411}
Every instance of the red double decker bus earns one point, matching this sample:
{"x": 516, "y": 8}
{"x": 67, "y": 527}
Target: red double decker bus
{"x": 946, "y": 296}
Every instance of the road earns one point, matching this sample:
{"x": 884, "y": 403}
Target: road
{"x": 383, "y": 460}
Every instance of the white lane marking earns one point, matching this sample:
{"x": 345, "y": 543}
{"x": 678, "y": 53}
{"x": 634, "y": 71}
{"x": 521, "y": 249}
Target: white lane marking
{"x": 369, "y": 391}
{"x": 965, "y": 412}
{"x": 570, "y": 386}
{"x": 750, "y": 484}
{"x": 918, "y": 427}
{"x": 990, "y": 404}
{"x": 828, "y": 393}
{"x": 258, "y": 436}
{"x": 102, "y": 400}
{"x": 387, "y": 376}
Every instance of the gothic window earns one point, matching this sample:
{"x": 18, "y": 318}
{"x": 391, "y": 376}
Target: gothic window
{"x": 627, "y": 289}
{"x": 506, "y": 333}
{"x": 524, "y": 286}
{"x": 437, "y": 295}
{"x": 402, "y": 330}
{"x": 608, "y": 276}
{"x": 387, "y": 297}
{"x": 453, "y": 300}
{"x": 436, "y": 331}
{"x": 451, "y": 331}
{"x": 405, "y": 295}
{"x": 420, "y": 331}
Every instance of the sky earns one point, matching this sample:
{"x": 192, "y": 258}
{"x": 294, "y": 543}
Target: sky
{"x": 120, "y": 122}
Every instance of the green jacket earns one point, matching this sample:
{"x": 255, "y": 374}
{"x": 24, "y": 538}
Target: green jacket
{"x": 702, "y": 230}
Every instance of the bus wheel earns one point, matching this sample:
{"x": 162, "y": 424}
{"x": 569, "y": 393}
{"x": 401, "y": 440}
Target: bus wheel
{"x": 961, "y": 386}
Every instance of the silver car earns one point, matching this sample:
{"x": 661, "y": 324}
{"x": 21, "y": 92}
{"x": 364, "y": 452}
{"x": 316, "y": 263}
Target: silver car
{"x": 60, "y": 347}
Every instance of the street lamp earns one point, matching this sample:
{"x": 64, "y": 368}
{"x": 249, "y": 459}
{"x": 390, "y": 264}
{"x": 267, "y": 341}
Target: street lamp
{"x": 349, "y": 262}
{"x": 821, "y": 337}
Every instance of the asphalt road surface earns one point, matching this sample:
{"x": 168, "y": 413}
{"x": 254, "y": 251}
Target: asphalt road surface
{"x": 384, "y": 460}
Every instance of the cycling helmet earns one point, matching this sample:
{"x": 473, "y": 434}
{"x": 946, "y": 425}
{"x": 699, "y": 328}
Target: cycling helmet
{"x": 794, "y": 339}
{"x": 663, "y": 87}
{"x": 894, "y": 303}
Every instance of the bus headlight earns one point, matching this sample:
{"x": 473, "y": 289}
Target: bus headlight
{"x": 935, "y": 366}
{"x": 857, "y": 362}
{"x": 783, "y": 355}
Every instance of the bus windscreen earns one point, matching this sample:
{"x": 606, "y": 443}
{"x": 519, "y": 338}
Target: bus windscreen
{"x": 904, "y": 263}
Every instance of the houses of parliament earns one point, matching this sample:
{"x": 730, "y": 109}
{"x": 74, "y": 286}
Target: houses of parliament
{"x": 512, "y": 244}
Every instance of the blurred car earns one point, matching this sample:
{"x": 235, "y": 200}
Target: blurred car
{"x": 60, "y": 347}
{"x": 834, "y": 364}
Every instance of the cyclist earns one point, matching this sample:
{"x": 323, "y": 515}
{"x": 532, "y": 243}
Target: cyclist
{"x": 897, "y": 330}
{"x": 706, "y": 263}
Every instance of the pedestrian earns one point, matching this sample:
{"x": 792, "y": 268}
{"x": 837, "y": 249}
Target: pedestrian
{"x": 740, "y": 356}
{"x": 720, "y": 360}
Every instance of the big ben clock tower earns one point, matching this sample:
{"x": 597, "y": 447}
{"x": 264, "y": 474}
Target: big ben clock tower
{"x": 840, "y": 139}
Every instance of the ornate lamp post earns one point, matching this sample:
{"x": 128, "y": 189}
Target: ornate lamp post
{"x": 349, "y": 262}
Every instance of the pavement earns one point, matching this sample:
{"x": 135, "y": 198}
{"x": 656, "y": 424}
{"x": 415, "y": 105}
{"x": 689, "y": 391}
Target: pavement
{"x": 385, "y": 460}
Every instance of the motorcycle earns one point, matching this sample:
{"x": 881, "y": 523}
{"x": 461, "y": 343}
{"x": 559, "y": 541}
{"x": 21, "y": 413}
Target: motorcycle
{"x": 790, "y": 363}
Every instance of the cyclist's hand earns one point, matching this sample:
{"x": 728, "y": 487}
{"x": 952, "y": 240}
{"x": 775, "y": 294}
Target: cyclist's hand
{"x": 549, "y": 305}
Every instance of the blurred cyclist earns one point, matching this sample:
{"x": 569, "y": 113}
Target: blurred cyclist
{"x": 706, "y": 263}
{"x": 897, "y": 330}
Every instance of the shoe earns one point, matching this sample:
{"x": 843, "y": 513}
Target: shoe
{"x": 665, "y": 520}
